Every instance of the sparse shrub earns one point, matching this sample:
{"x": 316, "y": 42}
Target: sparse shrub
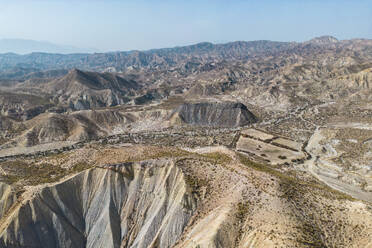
{"x": 218, "y": 157}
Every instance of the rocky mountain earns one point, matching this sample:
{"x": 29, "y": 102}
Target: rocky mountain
{"x": 85, "y": 90}
{"x": 243, "y": 144}
{"x": 22, "y": 106}
{"x": 219, "y": 114}
{"x": 188, "y": 58}
{"x": 323, "y": 40}
{"x": 75, "y": 90}
{"x": 122, "y": 61}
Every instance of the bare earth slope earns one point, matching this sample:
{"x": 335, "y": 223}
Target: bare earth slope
{"x": 129, "y": 205}
{"x": 218, "y": 114}
{"x": 244, "y": 144}
{"x": 211, "y": 197}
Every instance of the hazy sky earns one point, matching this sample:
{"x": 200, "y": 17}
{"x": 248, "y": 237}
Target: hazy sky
{"x": 139, "y": 24}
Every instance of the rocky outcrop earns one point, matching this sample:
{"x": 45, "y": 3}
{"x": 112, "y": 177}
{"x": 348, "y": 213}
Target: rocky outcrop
{"x": 323, "y": 40}
{"x": 7, "y": 198}
{"x": 22, "y": 106}
{"x": 85, "y": 90}
{"x": 76, "y": 126}
{"x": 214, "y": 114}
{"x": 210, "y": 89}
{"x": 143, "y": 204}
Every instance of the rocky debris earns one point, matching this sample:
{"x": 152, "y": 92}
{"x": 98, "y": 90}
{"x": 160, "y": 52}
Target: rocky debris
{"x": 214, "y": 114}
{"x": 322, "y": 40}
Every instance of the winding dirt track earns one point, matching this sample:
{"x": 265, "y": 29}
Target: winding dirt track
{"x": 314, "y": 166}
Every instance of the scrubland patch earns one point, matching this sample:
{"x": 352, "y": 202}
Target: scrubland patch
{"x": 21, "y": 173}
{"x": 291, "y": 184}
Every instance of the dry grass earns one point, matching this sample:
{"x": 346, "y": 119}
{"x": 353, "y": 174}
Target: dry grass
{"x": 135, "y": 154}
{"x": 35, "y": 174}
{"x": 217, "y": 157}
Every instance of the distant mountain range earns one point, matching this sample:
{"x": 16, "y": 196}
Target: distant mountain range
{"x": 21, "y": 46}
{"x": 184, "y": 60}
{"x": 15, "y": 66}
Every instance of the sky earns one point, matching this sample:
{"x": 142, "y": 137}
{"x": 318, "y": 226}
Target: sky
{"x": 113, "y": 25}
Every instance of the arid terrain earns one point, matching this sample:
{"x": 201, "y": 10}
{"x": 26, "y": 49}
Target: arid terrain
{"x": 245, "y": 144}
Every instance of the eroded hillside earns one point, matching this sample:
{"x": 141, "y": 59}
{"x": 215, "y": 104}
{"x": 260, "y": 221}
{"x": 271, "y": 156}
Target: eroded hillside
{"x": 143, "y": 196}
{"x": 244, "y": 144}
